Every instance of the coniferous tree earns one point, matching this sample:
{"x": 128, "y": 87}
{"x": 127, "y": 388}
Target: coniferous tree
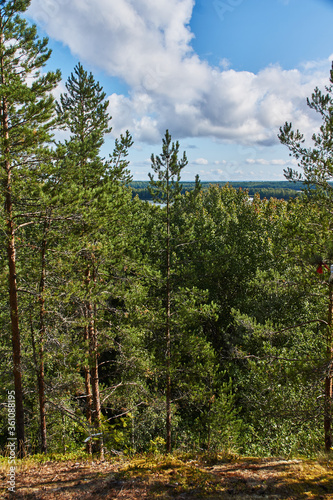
{"x": 82, "y": 111}
{"x": 317, "y": 173}
{"x": 26, "y": 111}
{"x": 167, "y": 188}
{"x": 95, "y": 190}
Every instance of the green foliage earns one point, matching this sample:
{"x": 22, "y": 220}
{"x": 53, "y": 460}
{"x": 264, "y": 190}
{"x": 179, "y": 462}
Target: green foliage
{"x": 225, "y": 424}
{"x": 168, "y": 169}
{"x": 207, "y": 307}
{"x": 279, "y": 382}
{"x": 315, "y": 164}
{"x": 157, "y": 446}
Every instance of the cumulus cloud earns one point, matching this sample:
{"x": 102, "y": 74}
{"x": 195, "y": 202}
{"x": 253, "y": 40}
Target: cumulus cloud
{"x": 147, "y": 44}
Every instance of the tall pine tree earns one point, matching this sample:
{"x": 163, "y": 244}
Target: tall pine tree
{"x": 93, "y": 192}
{"x": 167, "y": 188}
{"x": 26, "y": 117}
{"x": 82, "y": 111}
{"x": 317, "y": 174}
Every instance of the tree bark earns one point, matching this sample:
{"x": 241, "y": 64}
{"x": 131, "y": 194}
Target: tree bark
{"x": 86, "y": 368}
{"x": 87, "y": 382}
{"x": 16, "y": 341}
{"x": 95, "y": 386}
{"x": 42, "y": 332}
{"x": 328, "y": 378}
{"x": 93, "y": 348}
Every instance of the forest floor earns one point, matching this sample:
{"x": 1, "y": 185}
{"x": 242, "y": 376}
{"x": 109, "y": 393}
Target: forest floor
{"x": 164, "y": 478}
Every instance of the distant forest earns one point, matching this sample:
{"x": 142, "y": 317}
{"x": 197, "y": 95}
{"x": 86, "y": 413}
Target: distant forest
{"x": 266, "y": 189}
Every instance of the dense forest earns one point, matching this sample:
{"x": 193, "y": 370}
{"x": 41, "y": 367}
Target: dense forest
{"x": 203, "y": 323}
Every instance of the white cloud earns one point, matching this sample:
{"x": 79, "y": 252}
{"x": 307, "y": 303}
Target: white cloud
{"x": 148, "y": 45}
{"x": 263, "y": 161}
{"x": 224, "y": 63}
{"x": 279, "y": 162}
{"x": 200, "y": 161}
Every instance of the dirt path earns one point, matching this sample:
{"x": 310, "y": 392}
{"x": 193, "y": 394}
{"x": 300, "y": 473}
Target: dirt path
{"x": 172, "y": 479}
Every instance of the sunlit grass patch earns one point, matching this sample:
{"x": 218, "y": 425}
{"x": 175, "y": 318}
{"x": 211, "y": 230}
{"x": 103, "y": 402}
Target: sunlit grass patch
{"x": 308, "y": 478}
{"x": 31, "y": 461}
{"x": 164, "y": 473}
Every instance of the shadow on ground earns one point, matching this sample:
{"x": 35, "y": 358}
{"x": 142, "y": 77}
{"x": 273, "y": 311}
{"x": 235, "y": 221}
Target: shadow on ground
{"x": 174, "y": 479}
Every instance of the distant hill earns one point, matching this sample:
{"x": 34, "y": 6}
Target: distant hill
{"x": 266, "y": 189}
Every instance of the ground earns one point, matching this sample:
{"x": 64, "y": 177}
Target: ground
{"x": 161, "y": 478}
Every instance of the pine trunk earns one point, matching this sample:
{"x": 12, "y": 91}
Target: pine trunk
{"x": 42, "y": 330}
{"x": 87, "y": 375}
{"x": 16, "y": 341}
{"x": 94, "y": 377}
{"x": 87, "y": 381}
{"x": 328, "y": 378}
{"x": 95, "y": 386}
{"x": 41, "y": 393}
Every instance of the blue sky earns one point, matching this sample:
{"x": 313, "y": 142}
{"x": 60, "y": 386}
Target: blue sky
{"x": 221, "y": 75}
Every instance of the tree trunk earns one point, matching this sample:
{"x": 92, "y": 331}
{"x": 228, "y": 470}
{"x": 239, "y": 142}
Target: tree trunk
{"x": 41, "y": 394}
{"x": 16, "y": 341}
{"x": 95, "y": 386}
{"x": 328, "y": 378}
{"x": 87, "y": 375}
{"x": 42, "y": 331}
{"x": 87, "y": 381}
{"x": 93, "y": 354}
{"x": 11, "y": 253}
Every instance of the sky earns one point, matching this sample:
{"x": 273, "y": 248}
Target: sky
{"x": 221, "y": 75}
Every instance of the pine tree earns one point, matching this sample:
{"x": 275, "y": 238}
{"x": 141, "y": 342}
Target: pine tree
{"x": 167, "y": 188}
{"x": 93, "y": 192}
{"x": 317, "y": 174}
{"x": 82, "y": 111}
{"x": 26, "y": 116}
